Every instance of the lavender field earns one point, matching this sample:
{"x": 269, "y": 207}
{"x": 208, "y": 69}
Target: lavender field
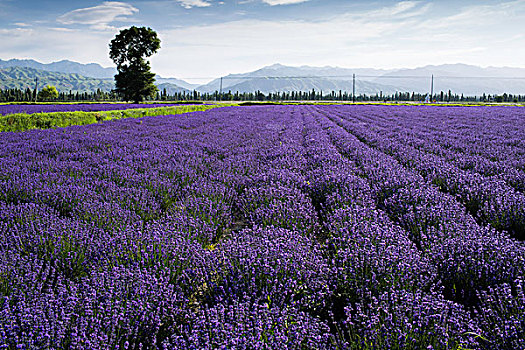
{"x": 76, "y": 107}
{"x": 267, "y": 227}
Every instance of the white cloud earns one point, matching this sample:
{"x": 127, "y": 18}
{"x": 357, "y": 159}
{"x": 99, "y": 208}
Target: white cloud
{"x": 402, "y": 9}
{"x": 62, "y": 29}
{"x": 282, "y": 2}
{"x": 253, "y": 43}
{"x": 194, "y": 3}
{"x": 54, "y": 44}
{"x": 404, "y": 6}
{"x": 480, "y": 16}
{"x": 405, "y": 34}
{"x": 400, "y": 35}
{"x": 99, "y": 17}
{"x": 16, "y": 32}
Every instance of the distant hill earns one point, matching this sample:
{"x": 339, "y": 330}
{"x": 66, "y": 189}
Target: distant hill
{"x": 172, "y": 89}
{"x": 326, "y": 85}
{"x": 278, "y": 77}
{"x": 175, "y": 82}
{"x": 23, "y": 77}
{"x": 459, "y": 78}
{"x": 92, "y": 70}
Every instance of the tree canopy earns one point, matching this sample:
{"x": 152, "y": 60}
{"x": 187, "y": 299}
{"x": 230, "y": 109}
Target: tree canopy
{"x": 134, "y": 80}
{"x": 48, "y": 93}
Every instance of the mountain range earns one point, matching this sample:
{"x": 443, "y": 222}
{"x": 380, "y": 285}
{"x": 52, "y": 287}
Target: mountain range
{"x": 24, "y": 77}
{"x": 459, "y": 78}
{"x": 67, "y": 75}
{"x": 92, "y": 70}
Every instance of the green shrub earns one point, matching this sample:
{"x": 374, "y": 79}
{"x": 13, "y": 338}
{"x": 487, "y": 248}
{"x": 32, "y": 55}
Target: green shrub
{"x": 24, "y": 122}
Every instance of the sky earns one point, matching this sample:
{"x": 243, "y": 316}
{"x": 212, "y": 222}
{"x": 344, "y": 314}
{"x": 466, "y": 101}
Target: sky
{"x": 204, "y": 39}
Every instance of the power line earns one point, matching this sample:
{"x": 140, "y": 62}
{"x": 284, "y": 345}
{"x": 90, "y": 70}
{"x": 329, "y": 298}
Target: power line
{"x": 353, "y": 88}
{"x": 36, "y": 88}
{"x": 432, "y": 88}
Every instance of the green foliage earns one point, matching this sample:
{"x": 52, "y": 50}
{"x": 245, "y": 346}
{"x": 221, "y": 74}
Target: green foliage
{"x": 23, "y": 122}
{"x": 136, "y": 82}
{"x": 48, "y": 93}
{"x": 128, "y": 50}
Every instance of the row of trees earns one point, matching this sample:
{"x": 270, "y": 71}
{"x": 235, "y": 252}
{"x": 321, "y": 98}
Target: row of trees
{"x": 28, "y": 95}
{"x": 346, "y": 96}
{"x": 48, "y": 93}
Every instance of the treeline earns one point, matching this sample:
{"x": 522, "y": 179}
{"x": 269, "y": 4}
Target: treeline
{"x": 28, "y": 95}
{"x": 345, "y": 96}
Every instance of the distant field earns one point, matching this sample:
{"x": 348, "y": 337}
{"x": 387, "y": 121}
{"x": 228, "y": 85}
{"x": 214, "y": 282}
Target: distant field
{"x": 74, "y": 107}
{"x": 45, "y": 116}
{"x": 267, "y": 227}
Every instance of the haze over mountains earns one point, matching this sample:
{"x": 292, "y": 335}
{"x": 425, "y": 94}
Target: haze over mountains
{"x": 459, "y": 78}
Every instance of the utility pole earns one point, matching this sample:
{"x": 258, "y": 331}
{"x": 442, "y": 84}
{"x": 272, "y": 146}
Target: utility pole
{"x": 220, "y": 91}
{"x": 432, "y": 89}
{"x": 353, "y": 88}
{"x": 36, "y": 87}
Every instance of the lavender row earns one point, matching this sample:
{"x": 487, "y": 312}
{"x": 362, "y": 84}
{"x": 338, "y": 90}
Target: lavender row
{"x": 97, "y": 180}
{"x": 353, "y": 222}
{"x": 490, "y": 200}
{"x": 373, "y": 260}
{"x": 457, "y": 143}
{"x": 156, "y": 205}
{"x": 490, "y": 133}
{"x": 469, "y": 259}
{"x": 108, "y": 228}
{"x": 88, "y": 107}
{"x": 272, "y": 195}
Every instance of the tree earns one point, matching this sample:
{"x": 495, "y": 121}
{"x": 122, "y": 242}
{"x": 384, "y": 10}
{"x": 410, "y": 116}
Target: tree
{"x": 134, "y": 80}
{"x": 48, "y": 93}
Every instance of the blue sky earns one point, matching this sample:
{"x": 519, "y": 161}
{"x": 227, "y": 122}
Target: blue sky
{"x": 210, "y": 38}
